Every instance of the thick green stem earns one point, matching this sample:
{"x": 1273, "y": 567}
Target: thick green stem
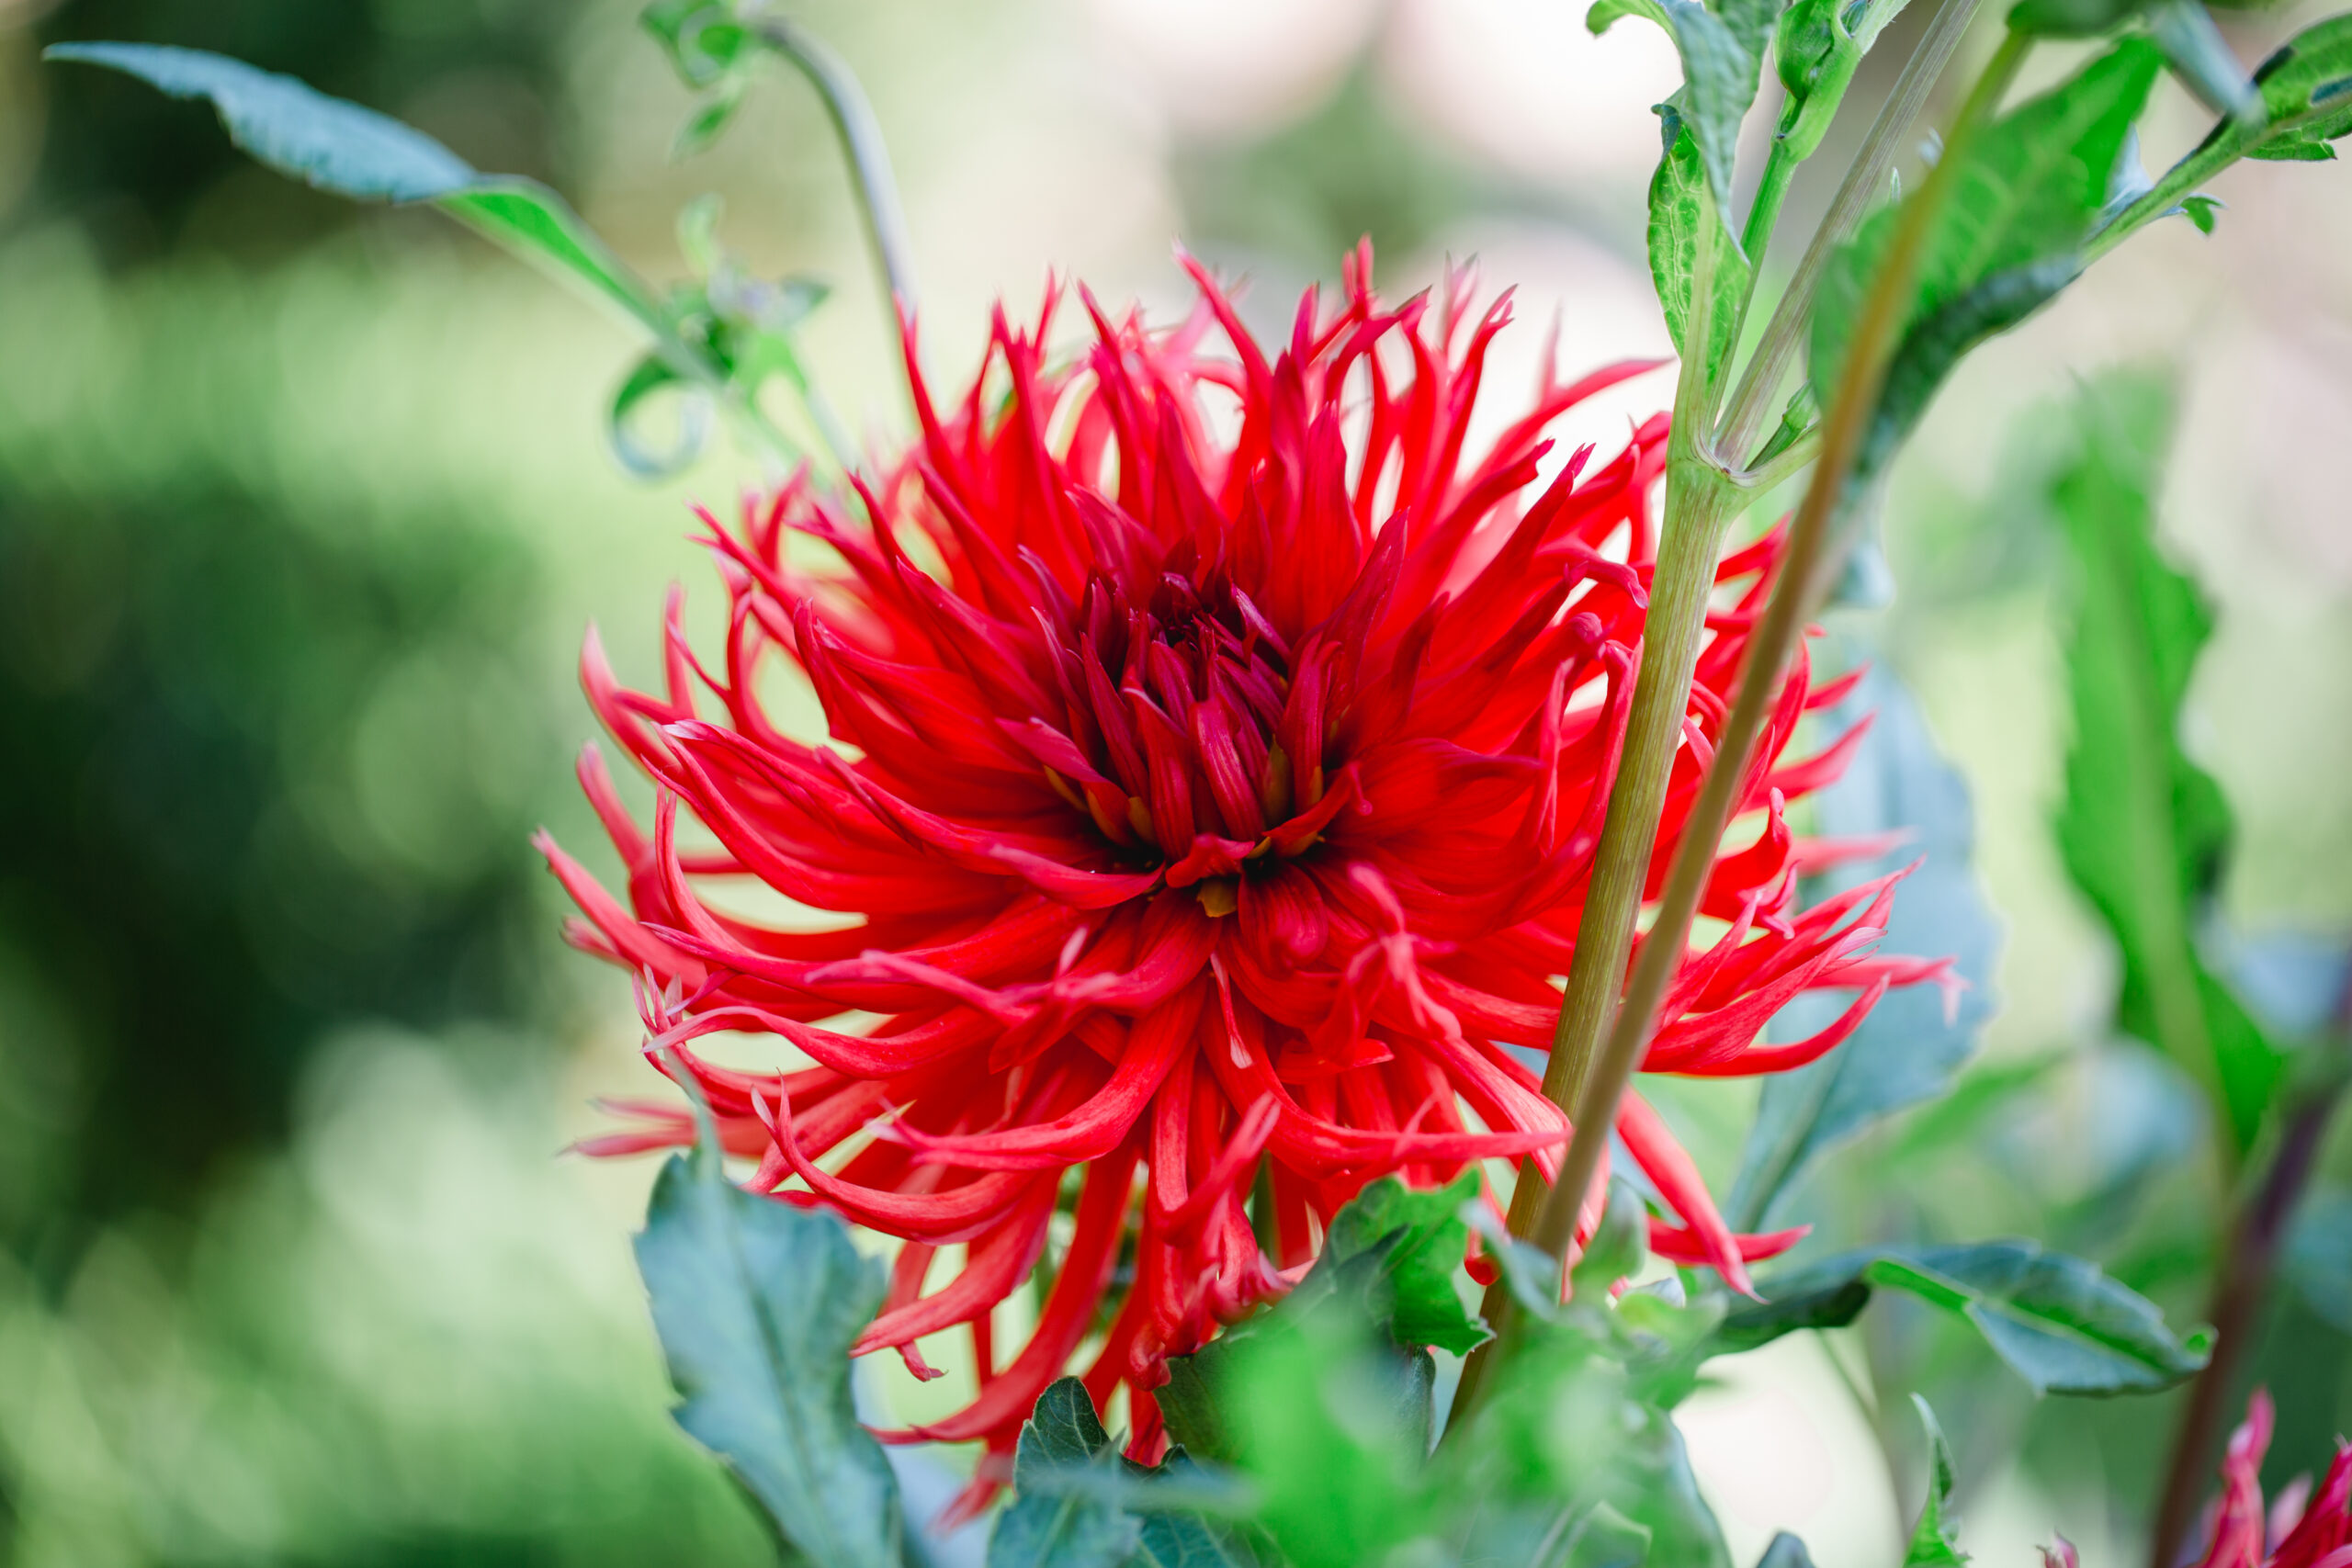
{"x": 1752, "y": 404}
{"x": 1699, "y": 502}
{"x": 1804, "y": 572}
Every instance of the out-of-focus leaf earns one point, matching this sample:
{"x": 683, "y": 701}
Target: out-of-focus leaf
{"x": 653, "y": 374}
{"x": 1909, "y": 1048}
{"x": 2059, "y": 1322}
{"x": 325, "y": 143}
{"x": 2297, "y": 983}
{"x": 1719, "y": 77}
{"x": 2319, "y": 1256}
{"x": 2202, "y": 211}
{"x": 1604, "y": 1538}
{"x": 353, "y": 152}
{"x": 1785, "y": 1551}
{"x": 1818, "y": 45}
{"x": 2033, "y": 185}
{"x": 757, "y": 1303}
{"x": 1974, "y": 1103}
{"x": 1680, "y": 211}
{"x": 2202, "y": 59}
{"x": 1934, "y": 1544}
{"x": 2144, "y": 831}
{"x": 1619, "y": 1246}
{"x": 702, "y": 38}
{"x": 1052, "y": 1527}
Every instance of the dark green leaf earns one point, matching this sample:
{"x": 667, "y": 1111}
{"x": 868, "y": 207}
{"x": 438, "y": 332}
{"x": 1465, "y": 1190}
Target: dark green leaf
{"x": 1047, "y": 1526}
{"x": 2319, "y": 1256}
{"x": 2144, "y": 831}
{"x": 1909, "y": 1048}
{"x": 1933, "y": 1541}
{"x": 2034, "y": 183}
{"x": 757, "y": 1303}
{"x": 2059, "y": 1322}
{"x": 1680, "y": 210}
{"x": 1719, "y": 77}
{"x": 1818, "y": 45}
{"x": 323, "y": 142}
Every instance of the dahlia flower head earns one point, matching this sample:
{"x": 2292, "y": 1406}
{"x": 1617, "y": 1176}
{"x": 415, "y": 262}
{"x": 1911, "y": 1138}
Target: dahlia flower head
{"x": 1219, "y": 749}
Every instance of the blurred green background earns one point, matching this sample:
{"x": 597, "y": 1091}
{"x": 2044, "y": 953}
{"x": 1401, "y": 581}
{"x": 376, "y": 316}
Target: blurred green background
{"x": 303, "y": 509}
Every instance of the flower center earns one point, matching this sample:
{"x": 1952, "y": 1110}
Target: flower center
{"x": 1185, "y": 731}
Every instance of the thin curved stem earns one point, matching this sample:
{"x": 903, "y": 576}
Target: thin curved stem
{"x": 1805, "y": 571}
{"x": 869, "y": 158}
{"x": 1751, "y": 403}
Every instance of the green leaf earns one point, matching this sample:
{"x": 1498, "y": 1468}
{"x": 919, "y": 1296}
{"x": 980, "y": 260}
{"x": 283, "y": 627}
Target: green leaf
{"x": 1818, "y": 45}
{"x": 1933, "y": 1542}
{"x": 1047, "y": 1527}
{"x": 1418, "y": 1237}
{"x": 325, "y": 143}
{"x": 701, "y": 38}
{"x": 1619, "y": 1243}
{"x": 757, "y": 1303}
{"x": 1682, "y": 209}
{"x": 1909, "y": 1048}
{"x": 2307, "y": 91}
{"x": 2007, "y": 239}
{"x": 2059, "y": 1322}
{"x": 348, "y": 151}
{"x": 2144, "y": 831}
{"x": 1719, "y": 78}
{"x": 2319, "y": 1256}
{"x": 2202, "y": 211}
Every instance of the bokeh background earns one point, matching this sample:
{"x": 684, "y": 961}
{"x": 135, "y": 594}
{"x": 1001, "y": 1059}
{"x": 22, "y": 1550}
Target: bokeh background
{"x": 303, "y": 509}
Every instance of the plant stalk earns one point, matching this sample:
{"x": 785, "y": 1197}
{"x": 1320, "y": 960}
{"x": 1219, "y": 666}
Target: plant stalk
{"x": 1700, "y": 504}
{"x": 1751, "y": 403}
{"x": 869, "y": 158}
{"x": 1805, "y": 572}
{"x": 2249, "y": 1262}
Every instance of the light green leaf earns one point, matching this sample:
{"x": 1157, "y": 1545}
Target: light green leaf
{"x": 348, "y": 151}
{"x": 757, "y": 1303}
{"x": 1719, "y": 78}
{"x": 1682, "y": 208}
{"x": 2144, "y": 831}
{"x": 2307, "y": 92}
{"x": 2059, "y": 1322}
{"x": 1818, "y": 45}
{"x": 1053, "y": 1528}
{"x": 1420, "y": 1237}
{"x": 302, "y": 134}
{"x": 1934, "y": 1544}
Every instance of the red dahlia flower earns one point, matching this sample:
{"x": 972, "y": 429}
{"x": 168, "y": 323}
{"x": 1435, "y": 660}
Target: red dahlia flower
{"x": 1218, "y": 756}
{"x": 2301, "y": 1528}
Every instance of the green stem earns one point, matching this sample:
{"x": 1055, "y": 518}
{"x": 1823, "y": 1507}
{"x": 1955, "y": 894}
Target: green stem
{"x": 1752, "y": 404}
{"x": 869, "y": 158}
{"x": 1700, "y": 504}
{"x": 1803, "y": 576}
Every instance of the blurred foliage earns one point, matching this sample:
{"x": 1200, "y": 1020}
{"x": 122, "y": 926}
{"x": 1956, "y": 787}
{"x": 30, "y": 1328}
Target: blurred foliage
{"x": 481, "y": 74}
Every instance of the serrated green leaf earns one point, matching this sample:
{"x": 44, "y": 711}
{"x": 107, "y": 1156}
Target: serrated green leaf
{"x": 2144, "y": 831}
{"x": 1052, "y": 1527}
{"x": 1682, "y": 209}
{"x": 1719, "y": 78}
{"x": 757, "y": 1303}
{"x": 1933, "y": 1541}
{"x": 2306, "y": 91}
{"x": 2059, "y": 1322}
{"x": 1909, "y": 1048}
{"x": 1818, "y": 46}
{"x": 1419, "y": 1236}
